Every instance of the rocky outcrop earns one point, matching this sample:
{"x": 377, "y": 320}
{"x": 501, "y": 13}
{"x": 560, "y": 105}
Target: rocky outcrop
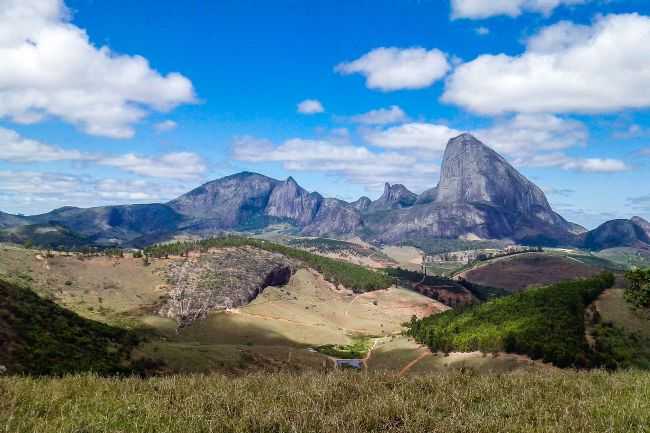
{"x": 362, "y": 204}
{"x": 616, "y": 233}
{"x": 288, "y": 200}
{"x": 334, "y": 217}
{"x": 394, "y": 197}
{"x": 645, "y": 225}
{"x": 222, "y": 279}
{"x": 479, "y": 194}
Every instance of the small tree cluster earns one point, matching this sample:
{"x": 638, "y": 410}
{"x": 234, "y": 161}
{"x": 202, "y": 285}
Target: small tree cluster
{"x": 638, "y": 291}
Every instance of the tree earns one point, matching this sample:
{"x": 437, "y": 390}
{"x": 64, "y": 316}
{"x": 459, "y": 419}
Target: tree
{"x": 638, "y": 292}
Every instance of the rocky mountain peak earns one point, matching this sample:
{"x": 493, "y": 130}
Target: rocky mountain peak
{"x": 394, "y": 197}
{"x": 362, "y": 204}
{"x": 474, "y": 173}
{"x": 644, "y": 224}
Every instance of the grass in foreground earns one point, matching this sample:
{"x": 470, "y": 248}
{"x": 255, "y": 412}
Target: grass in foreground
{"x": 342, "y": 402}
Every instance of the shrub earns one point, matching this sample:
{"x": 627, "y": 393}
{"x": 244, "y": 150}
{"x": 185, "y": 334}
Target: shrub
{"x": 638, "y": 292}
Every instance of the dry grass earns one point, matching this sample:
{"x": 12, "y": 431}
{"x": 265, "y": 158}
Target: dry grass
{"x": 547, "y": 402}
{"x": 518, "y": 272}
{"x": 613, "y": 308}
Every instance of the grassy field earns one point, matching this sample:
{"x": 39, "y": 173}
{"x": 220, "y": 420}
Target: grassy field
{"x": 543, "y": 402}
{"x": 613, "y": 308}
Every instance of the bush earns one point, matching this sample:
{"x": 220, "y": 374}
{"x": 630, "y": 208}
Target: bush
{"x": 638, "y": 292}
{"x": 545, "y": 323}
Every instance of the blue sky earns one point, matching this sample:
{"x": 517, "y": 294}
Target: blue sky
{"x": 123, "y": 102}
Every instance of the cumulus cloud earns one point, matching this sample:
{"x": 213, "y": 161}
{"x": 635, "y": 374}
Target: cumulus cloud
{"x": 526, "y": 139}
{"x": 590, "y": 165}
{"x": 310, "y": 106}
{"x": 180, "y": 165}
{"x": 566, "y": 68}
{"x": 429, "y": 137}
{"x": 51, "y": 68}
{"x": 15, "y": 148}
{"x": 479, "y": 9}
{"x": 393, "y": 68}
{"x": 381, "y": 116}
{"x": 527, "y": 134}
{"x": 356, "y": 164}
{"x": 38, "y": 192}
{"x": 165, "y": 126}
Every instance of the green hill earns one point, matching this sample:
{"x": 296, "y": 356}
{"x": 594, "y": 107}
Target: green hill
{"x": 39, "y": 337}
{"x": 545, "y": 323}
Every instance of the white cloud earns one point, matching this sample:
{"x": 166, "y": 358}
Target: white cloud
{"x": 479, "y": 9}
{"x": 482, "y": 31}
{"x": 33, "y": 192}
{"x": 526, "y": 139}
{"x": 356, "y": 164}
{"x": 398, "y": 68}
{"x": 14, "y": 148}
{"x": 181, "y": 165}
{"x": 50, "y": 68}
{"x": 590, "y": 165}
{"x": 310, "y": 106}
{"x": 381, "y": 116}
{"x": 566, "y": 68}
{"x": 165, "y": 126}
{"x": 428, "y": 137}
{"x": 527, "y": 134}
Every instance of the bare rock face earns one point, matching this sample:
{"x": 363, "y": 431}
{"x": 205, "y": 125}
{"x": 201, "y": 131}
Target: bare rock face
{"x": 479, "y": 193}
{"x": 362, "y": 204}
{"x": 289, "y": 200}
{"x": 222, "y": 279}
{"x": 334, "y": 217}
{"x": 645, "y": 225}
{"x": 473, "y": 173}
{"x": 394, "y": 197}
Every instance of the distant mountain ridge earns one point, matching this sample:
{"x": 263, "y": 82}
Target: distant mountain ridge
{"x": 479, "y": 196}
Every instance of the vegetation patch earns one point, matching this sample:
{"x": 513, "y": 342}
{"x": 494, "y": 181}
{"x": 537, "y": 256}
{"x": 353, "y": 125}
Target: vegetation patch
{"x": 544, "y": 323}
{"x": 638, "y": 292}
{"x": 358, "y": 349}
{"x": 39, "y": 337}
{"x": 354, "y": 277}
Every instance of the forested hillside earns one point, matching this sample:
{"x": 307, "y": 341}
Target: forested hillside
{"x": 546, "y": 323}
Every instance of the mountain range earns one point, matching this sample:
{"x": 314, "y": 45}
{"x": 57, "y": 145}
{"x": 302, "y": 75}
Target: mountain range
{"x": 479, "y": 196}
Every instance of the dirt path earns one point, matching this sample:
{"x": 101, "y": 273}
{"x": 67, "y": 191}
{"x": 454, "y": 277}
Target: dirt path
{"x": 412, "y": 364}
